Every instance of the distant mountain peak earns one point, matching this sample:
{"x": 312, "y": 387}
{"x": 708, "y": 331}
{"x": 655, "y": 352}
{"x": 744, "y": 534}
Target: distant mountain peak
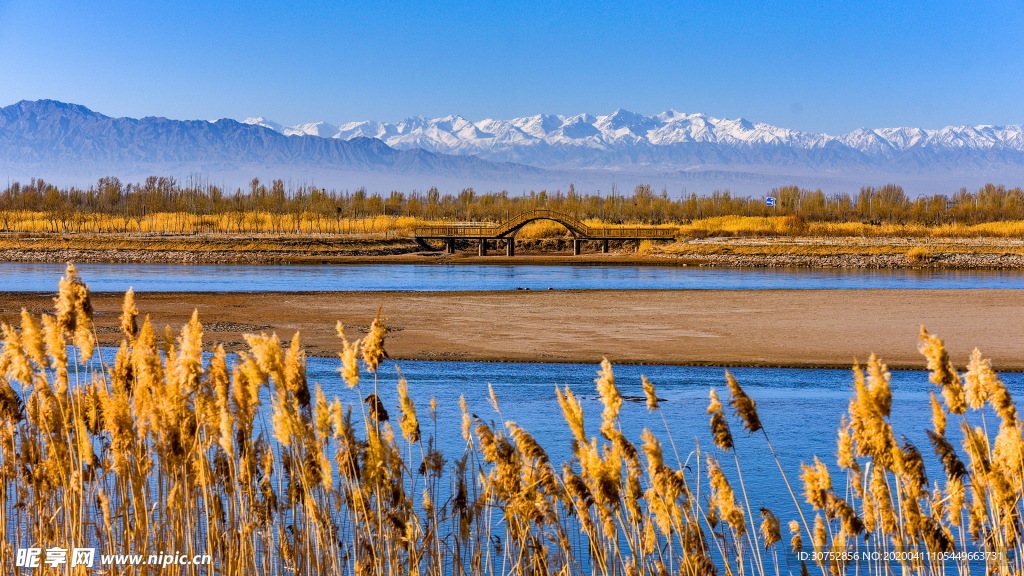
{"x": 43, "y": 106}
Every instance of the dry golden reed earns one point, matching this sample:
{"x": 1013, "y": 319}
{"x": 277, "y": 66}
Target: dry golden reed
{"x": 373, "y": 344}
{"x": 771, "y": 532}
{"x": 724, "y": 498}
{"x": 650, "y": 397}
{"x": 943, "y": 374}
{"x": 719, "y": 426}
{"x": 744, "y": 405}
{"x": 409, "y": 422}
{"x": 610, "y": 398}
{"x": 349, "y": 358}
{"x": 129, "y": 314}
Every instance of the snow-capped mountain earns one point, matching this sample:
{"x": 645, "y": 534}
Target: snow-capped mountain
{"x": 680, "y": 141}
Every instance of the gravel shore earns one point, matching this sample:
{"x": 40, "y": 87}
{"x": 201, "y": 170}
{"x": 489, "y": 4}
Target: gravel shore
{"x": 130, "y": 256}
{"x": 961, "y": 261}
{"x": 864, "y": 261}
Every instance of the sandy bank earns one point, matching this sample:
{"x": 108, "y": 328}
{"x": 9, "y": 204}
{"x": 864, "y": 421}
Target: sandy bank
{"x": 828, "y": 328}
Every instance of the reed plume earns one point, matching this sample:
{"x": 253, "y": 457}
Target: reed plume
{"x": 744, "y": 405}
{"x": 349, "y": 358}
{"x": 610, "y": 398}
{"x": 719, "y": 426}
{"x": 650, "y": 397}
{"x": 771, "y": 532}
{"x": 943, "y": 374}
{"x": 409, "y": 423}
{"x": 373, "y": 344}
{"x": 129, "y": 314}
{"x": 724, "y": 498}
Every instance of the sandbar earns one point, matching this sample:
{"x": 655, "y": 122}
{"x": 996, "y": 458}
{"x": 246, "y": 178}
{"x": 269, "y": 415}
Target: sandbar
{"x": 786, "y": 328}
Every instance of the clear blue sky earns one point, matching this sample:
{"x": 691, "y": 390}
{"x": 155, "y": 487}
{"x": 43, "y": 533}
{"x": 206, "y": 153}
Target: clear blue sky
{"x": 813, "y": 65}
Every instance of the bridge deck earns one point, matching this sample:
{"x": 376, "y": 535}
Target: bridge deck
{"x": 616, "y": 234}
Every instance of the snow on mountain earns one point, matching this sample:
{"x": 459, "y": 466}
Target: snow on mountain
{"x": 671, "y": 139}
{"x": 261, "y": 121}
{"x": 319, "y": 129}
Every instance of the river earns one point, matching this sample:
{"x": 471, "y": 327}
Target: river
{"x": 30, "y": 277}
{"x": 800, "y": 409}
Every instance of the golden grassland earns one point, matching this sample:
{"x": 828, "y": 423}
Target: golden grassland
{"x": 188, "y": 223}
{"x": 795, "y": 226}
{"x": 389, "y": 226}
{"x": 302, "y": 224}
{"x": 162, "y": 449}
{"x": 199, "y": 243}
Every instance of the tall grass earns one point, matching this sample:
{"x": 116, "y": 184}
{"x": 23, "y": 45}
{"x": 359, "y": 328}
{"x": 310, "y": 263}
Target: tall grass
{"x": 918, "y": 255}
{"x": 250, "y": 222}
{"x": 307, "y": 223}
{"x": 797, "y": 226}
{"x": 543, "y": 229}
{"x": 158, "y": 448}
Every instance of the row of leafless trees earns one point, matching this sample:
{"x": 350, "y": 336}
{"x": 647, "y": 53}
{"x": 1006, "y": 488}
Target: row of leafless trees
{"x": 134, "y": 201}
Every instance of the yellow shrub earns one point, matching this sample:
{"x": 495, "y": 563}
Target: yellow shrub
{"x": 919, "y": 255}
{"x": 543, "y": 229}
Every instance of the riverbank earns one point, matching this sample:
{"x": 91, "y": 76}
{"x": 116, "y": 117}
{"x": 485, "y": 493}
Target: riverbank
{"x": 747, "y": 252}
{"x": 852, "y": 252}
{"x": 785, "y": 328}
{"x": 197, "y": 249}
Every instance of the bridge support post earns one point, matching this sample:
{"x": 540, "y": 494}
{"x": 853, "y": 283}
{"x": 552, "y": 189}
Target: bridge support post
{"x": 510, "y": 247}
{"x": 604, "y": 246}
{"x": 449, "y": 245}
{"x": 482, "y": 247}
{"x": 576, "y": 246}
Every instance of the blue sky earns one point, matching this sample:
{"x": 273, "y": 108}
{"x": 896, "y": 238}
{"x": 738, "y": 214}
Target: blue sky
{"x": 811, "y": 65}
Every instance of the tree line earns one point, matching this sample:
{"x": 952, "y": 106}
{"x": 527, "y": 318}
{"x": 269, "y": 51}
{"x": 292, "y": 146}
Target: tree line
{"x": 160, "y": 195}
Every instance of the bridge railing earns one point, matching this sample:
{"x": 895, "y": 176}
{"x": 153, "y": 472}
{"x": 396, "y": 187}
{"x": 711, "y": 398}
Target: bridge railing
{"x": 456, "y": 231}
{"x": 633, "y": 232}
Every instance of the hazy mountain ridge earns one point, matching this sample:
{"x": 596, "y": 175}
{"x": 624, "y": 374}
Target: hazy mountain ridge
{"x": 53, "y": 134}
{"x": 674, "y": 140}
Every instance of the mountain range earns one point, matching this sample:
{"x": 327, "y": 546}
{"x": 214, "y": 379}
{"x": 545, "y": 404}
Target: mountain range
{"x": 60, "y": 142}
{"x": 70, "y": 143}
{"x": 677, "y": 141}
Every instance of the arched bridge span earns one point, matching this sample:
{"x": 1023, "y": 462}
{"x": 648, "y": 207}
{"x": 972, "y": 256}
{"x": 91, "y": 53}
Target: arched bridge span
{"x": 506, "y": 231}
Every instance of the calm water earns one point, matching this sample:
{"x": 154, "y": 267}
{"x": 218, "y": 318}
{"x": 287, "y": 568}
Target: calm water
{"x": 430, "y": 277}
{"x": 800, "y": 409}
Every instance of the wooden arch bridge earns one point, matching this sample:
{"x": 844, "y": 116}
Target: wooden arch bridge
{"x": 504, "y": 232}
